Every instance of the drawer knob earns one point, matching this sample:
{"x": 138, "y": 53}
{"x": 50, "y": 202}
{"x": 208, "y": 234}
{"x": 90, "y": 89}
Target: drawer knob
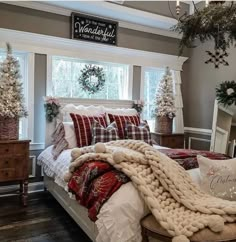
{"x": 6, "y": 173}
{"x": 6, "y": 162}
{"x": 6, "y": 150}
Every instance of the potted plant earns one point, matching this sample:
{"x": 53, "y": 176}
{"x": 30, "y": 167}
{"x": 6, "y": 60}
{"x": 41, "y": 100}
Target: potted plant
{"x": 165, "y": 104}
{"x": 11, "y": 97}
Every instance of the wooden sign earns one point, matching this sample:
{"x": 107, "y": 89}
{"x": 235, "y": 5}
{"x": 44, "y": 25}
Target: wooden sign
{"x": 94, "y": 29}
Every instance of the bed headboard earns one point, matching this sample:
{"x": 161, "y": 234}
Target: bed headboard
{"x": 50, "y": 127}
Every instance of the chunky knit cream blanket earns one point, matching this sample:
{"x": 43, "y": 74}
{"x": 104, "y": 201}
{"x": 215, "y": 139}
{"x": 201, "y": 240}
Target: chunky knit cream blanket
{"x": 174, "y": 200}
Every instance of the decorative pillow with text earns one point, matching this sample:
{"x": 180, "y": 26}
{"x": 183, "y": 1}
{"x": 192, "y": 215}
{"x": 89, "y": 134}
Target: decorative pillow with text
{"x": 218, "y": 177}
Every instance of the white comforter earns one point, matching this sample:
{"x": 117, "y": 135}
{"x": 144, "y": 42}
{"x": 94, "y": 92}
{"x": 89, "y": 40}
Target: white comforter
{"x": 119, "y": 217}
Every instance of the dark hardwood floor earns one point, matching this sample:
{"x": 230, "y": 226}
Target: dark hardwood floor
{"x": 43, "y": 220}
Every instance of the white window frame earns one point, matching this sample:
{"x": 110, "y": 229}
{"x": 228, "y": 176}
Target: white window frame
{"x": 49, "y": 83}
{"x": 28, "y": 84}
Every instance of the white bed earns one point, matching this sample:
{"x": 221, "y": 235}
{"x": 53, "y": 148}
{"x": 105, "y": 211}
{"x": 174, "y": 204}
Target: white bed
{"x": 118, "y": 219}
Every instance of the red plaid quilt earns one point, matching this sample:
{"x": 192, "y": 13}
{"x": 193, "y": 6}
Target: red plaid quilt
{"x": 188, "y": 158}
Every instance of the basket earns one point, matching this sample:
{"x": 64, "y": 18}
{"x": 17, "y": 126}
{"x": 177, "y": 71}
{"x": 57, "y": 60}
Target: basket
{"x": 163, "y": 125}
{"x": 9, "y": 128}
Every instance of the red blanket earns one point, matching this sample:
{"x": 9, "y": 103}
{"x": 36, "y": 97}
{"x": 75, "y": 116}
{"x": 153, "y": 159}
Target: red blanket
{"x": 188, "y": 158}
{"x": 93, "y": 183}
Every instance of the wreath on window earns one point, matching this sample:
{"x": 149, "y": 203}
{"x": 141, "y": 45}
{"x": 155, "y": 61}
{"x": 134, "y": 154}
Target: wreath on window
{"x": 92, "y": 79}
{"x": 226, "y": 93}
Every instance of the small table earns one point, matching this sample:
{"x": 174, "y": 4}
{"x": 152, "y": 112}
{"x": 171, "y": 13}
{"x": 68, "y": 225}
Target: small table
{"x": 14, "y": 159}
{"x": 150, "y": 227}
{"x": 173, "y": 140}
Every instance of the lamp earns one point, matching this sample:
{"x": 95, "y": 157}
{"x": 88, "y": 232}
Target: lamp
{"x": 216, "y": 21}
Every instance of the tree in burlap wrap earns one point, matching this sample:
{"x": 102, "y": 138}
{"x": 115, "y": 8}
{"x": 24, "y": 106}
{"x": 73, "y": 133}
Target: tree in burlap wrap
{"x": 174, "y": 200}
{"x": 165, "y": 104}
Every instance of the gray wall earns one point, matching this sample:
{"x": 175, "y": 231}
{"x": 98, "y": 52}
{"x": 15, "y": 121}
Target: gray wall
{"x": 199, "y": 83}
{"x": 29, "y": 20}
{"x": 159, "y": 7}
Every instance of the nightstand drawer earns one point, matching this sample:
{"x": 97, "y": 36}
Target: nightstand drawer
{"x": 174, "y": 140}
{"x": 6, "y": 149}
{"x": 11, "y": 162}
{"x": 8, "y": 173}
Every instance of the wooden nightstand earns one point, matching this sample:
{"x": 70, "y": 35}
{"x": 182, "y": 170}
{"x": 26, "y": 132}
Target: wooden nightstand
{"x": 173, "y": 140}
{"x": 14, "y": 158}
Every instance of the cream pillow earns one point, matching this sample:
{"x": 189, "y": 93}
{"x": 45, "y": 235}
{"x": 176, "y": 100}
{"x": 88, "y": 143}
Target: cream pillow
{"x": 218, "y": 177}
{"x": 70, "y": 134}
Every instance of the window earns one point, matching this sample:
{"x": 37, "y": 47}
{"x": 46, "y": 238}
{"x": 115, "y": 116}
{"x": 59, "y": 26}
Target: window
{"x": 150, "y": 80}
{"x": 23, "y": 61}
{"x": 65, "y": 72}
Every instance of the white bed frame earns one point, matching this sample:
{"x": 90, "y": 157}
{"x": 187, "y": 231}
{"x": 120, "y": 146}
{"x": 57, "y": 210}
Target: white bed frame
{"x": 77, "y": 212}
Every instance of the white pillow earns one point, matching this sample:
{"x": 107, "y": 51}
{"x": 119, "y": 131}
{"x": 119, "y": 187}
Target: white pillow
{"x": 218, "y": 177}
{"x": 82, "y": 110}
{"x": 70, "y": 134}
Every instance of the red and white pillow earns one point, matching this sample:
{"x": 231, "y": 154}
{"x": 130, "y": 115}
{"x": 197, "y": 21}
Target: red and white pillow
{"x": 58, "y": 140}
{"x": 101, "y": 134}
{"x": 121, "y": 122}
{"x": 140, "y": 132}
{"x": 83, "y": 126}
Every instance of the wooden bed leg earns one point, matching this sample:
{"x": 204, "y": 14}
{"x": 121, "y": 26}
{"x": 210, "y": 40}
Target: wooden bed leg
{"x": 144, "y": 235}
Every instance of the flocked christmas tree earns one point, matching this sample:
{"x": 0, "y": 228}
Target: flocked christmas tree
{"x": 165, "y": 103}
{"x": 11, "y": 90}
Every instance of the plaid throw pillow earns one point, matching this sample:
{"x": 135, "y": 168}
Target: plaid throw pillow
{"x": 101, "y": 134}
{"x": 83, "y": 126}
{"x": 59, "y": 141}
{"x": 141, "y": 132}
{"x": 120, "y": 122}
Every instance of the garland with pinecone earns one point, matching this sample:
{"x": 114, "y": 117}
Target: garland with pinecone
{"x": 215, "y": 22}
{"x": 226, "y": 93}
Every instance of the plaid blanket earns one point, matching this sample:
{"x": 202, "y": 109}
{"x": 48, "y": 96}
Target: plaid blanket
{"x": 188, "y": 158}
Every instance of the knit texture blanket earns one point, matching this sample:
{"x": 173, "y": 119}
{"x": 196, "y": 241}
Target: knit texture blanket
{"x": 174, "y": 200}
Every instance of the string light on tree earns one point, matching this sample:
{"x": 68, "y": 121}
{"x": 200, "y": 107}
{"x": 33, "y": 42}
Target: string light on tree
{"x": 11, "y": 90}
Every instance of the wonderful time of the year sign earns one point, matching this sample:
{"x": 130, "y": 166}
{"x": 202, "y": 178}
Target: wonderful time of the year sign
{"x": 94, "y": 29}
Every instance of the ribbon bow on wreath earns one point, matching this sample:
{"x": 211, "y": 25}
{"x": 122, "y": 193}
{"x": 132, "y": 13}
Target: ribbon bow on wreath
{"x": 88, "y": 83}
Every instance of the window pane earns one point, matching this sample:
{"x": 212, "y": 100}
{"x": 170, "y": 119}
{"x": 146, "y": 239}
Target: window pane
{"x": 151, "y": 79}
{"x": 66, "y": 72}
{"x": 21, "y": 58}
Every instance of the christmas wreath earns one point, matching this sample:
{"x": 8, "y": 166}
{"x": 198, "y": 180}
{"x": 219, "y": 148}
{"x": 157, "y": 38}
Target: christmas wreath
{"x": 88, "y": 83}
{"x": 226, "y": 93}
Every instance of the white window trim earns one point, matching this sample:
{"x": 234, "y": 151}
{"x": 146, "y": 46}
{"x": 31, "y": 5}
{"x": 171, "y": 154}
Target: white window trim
{"x": 50, "y": 45}
{"x": 49, "y": 83}
{"x": 30, "y": 96}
